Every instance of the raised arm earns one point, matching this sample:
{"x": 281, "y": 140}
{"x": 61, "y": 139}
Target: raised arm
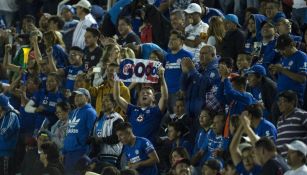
{"x": 52, "y": 64}
{"x": 234, "y": 146}
{"x": 164, "y": 92}
{"x": 7, "y": 59}
{"x": 245, "y": 122}
{"x": 37, "y": 52}
{"x": 122, "y": 103}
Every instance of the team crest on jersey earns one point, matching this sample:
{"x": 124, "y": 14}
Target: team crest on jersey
{"x": 290, "y": 63}
{"x": 140, "y": 118}
{"x": 212, "y": 75}
{"x": 137, "y": 152}
{"x": 147, "y": 111}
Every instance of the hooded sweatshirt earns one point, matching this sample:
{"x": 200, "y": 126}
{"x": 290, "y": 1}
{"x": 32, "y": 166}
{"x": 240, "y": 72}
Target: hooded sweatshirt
{"x": 9, "y": 130}
{"x": 80, "y": 124}
{"x": 249, "y": 44}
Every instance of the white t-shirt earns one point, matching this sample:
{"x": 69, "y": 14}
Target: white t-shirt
{"x": 8, "y": 5}
{"x": 297, "y": 4}
{"x": 78, "y": 36}
{"x": 300, "y": 171}
{"x": 192, "y": 32}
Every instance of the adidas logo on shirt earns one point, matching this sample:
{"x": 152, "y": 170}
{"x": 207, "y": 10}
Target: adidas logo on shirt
{"x": 72, "y": 124}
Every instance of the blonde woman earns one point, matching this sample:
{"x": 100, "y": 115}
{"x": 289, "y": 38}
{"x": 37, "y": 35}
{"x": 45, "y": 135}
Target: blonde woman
{"x": 111, "y": 54}
{"x": 127, "y": 53}
{"x": 216, "y": 32}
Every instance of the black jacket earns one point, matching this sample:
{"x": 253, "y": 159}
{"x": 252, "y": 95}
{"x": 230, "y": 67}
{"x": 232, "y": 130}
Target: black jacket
{"x": 233, "y": 44}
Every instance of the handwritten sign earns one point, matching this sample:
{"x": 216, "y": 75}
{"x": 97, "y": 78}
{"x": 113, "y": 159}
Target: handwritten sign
{"x": 138, "y": 70}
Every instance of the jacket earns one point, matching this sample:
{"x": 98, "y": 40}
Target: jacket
{"x": 195, "y": 85}
{"x": 106, "y": 89}
{"x": 104, "y": 130}
{"x": 249, "y": 44}
{"x": 80, "y": 124}
{"x": 9, "y": 131}
{"x": 233, "y": 44}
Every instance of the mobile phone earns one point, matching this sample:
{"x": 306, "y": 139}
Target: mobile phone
{"x": 97, "y": 69}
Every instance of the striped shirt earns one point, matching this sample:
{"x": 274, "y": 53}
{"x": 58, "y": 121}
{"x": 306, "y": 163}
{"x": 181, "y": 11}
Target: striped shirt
{"x": 78, "y": 37}
{"x": 290, "y": 128}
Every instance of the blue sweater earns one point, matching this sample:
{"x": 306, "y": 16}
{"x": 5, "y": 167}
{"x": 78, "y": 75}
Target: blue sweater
{"x": 9, "y": 130}
{"x": 249, "y": 44}
{"x": 80, "y": 125}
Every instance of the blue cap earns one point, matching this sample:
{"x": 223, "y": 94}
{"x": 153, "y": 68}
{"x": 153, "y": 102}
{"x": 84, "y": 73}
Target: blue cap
{"x": 232, "y": 18}
{"x": 4, "y": 102}
{"x": 258, "y": 69}
{"x": 69, "y": 7}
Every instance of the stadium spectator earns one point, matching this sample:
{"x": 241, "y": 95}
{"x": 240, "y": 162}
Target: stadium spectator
{"x": 140, "y": 152}
{"x": 287, "y": 103}
{"x": 267, "y": 156}
{"x": 86, "y": 20}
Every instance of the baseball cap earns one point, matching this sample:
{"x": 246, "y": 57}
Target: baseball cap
{"x": 70, "y": 8}
{"x": 232, "y": 18}
{"x": 4, "y": 102}
{"x": 245, "y": 145}
{"x": 258, "y": 69}
{"x": 193, "y": 8}
{"x": 84, "y": 4}
{"x": 214, "y": 164}
{"x": 83, "y": 91}
{"x": 283, "y": 41}
{"x": 299, "y": 146}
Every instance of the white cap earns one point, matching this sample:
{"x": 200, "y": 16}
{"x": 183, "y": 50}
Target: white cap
{"x": 84, "y": 4}
{"x": 90, "y": 173}
{"x": 193, "y": 8}
{"x": 298, "y": 145}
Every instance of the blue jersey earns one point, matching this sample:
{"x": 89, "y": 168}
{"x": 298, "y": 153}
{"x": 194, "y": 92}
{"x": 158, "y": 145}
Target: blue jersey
{"x": 242, "y": 171}
{"x": 266, "y": 129}
{"x": 145, "y": 122}
{"x": 71, "y": 73}
{"x": 212, "y": 143}
{"x": 147, "y": 48}
{"x": 48, "y": 100}
{"x": 173, "y": 69}
{"x": 201, "y": 138}
{"x": 43, "y": 79}
{"x": 296, "y": 63}
{"x": 139, "y": 152}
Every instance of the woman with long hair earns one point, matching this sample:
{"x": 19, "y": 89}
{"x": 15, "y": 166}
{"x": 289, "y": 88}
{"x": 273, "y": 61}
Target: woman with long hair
{"x": 216, "y": 32}
{"x": 52, "y": 40}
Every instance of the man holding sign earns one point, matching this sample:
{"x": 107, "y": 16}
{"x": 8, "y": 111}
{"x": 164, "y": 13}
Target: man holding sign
{"x": 145, "y": 118}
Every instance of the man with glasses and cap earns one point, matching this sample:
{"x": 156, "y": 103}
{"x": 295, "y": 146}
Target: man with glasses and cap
{"x": 80, "y": 124}
{"x": 9, "y": 131}
{"x": 297, "y": 151}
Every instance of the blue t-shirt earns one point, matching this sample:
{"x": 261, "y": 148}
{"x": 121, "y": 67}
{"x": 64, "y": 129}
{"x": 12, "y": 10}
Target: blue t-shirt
{"x": 145, "y": 122}
{"x": 147, "y": 48}
{"x": 296, "y": 63}
{"x": 173, "y": 69}
{"x": 139, "y": 152}
{"x": 48, "y": 100}
{"x": 212, "y": 143}
{"x": 242, "y": 171}
{"x": 71, "y": 73}
{"x": 266, "y": 129}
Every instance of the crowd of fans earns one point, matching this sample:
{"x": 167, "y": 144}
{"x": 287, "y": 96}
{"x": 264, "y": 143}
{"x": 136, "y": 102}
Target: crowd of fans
{"x": 230, "y": 99}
